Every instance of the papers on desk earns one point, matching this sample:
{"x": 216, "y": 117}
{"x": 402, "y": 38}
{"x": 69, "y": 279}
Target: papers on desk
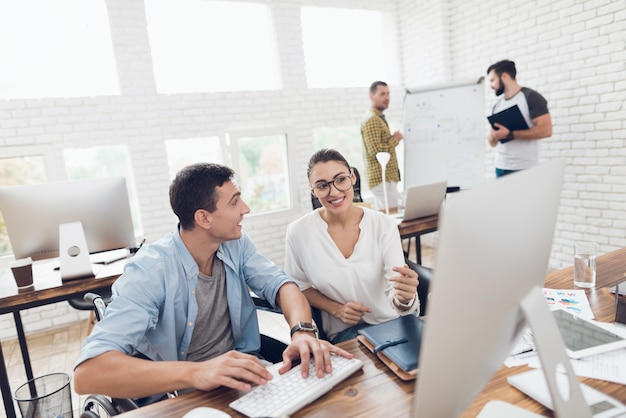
{"x": 609, "y": 366}
{"x": 572, "y": 300}
{"x": 108, "y": 257}
{"x": 110, "y": 269}
{"x": 46, "y": 272}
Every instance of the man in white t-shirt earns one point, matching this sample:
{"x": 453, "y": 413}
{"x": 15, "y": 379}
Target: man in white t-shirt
{"x": 517, "y": 150}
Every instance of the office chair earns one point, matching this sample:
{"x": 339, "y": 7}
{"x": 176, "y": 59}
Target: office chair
{"x": 357, "y": 191}
{"x": 425, "y": 275}
{"x": 100, "y": 406}
{"x": 83, "y": 304}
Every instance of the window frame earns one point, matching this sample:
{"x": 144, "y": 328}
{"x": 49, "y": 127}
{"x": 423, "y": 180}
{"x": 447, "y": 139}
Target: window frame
{"x": 45, "y": 150}
{"x": 231, "y": 137}
{"x": 28, "y": 151}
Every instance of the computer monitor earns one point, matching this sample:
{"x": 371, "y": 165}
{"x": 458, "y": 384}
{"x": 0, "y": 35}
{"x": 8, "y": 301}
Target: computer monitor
{"x": 33, "y": 213}
{"x": 492, "y": 258}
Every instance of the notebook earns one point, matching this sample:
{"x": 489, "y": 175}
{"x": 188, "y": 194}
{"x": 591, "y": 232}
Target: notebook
{"x": 396, "y": 343}
{"x": 511, "y": 118}
{"x": 423, "y": 200}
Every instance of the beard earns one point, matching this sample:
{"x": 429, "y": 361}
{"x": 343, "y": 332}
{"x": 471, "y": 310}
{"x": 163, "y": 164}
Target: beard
{"x": 500, "y": 89}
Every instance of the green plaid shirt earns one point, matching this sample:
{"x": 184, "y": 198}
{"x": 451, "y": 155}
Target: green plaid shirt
{"x": 377, "y": 138}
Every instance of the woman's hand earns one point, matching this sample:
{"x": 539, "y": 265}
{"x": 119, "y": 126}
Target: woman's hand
{"x": 351, "y": 312}
{"x": 405, "y": 284}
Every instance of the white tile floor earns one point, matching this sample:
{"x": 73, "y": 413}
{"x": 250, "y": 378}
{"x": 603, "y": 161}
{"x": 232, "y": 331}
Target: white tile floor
{"x": 56, "y": 350}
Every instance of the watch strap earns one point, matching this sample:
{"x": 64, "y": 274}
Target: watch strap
{"x": 305, "y": 327}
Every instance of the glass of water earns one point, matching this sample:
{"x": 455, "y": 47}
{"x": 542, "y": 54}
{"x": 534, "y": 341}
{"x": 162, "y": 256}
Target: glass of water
{"x": 585, "y": 264}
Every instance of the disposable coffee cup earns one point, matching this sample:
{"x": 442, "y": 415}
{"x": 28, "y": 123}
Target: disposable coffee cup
{"x": 585, "y": 264}
{"x": 22, "y": 270}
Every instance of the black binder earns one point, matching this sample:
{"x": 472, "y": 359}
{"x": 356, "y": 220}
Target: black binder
{"x": 396, "y": 343}
{"x": 511, "y": 118}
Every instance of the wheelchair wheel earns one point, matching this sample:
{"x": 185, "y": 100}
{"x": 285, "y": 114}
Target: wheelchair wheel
{"x": 98, "y": 406}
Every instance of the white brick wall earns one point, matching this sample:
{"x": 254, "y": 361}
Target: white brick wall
{"x": 573, "y": 53}
{"x": 570, "y": 51}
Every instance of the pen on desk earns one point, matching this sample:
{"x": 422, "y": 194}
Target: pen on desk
{"x": 133, "y": 251}
{"x": 526, "y": 353}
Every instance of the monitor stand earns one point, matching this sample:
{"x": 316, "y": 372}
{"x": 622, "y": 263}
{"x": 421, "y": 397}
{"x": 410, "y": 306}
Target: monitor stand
{"x": 73, "y": 252}
{"x": 567, "y": 400}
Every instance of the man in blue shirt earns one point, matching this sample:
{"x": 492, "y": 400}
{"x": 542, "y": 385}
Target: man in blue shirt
{"x": 183, "y": 303}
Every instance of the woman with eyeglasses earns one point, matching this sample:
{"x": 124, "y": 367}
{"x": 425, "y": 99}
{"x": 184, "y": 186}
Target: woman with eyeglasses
{"x": 347, "y": 259}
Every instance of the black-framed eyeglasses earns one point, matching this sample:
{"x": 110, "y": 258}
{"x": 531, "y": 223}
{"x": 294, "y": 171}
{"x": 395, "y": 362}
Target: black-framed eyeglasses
{"x": 341, "y": 183}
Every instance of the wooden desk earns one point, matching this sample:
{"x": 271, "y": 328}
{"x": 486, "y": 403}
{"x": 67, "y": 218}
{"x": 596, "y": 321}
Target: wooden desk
{"x": 376, "y": 392}
{"x": 415, "y": 228}
{"x": 48, "y": 288}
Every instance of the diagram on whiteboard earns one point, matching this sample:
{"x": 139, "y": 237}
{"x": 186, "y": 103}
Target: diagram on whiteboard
{"x": 444, "y": 134}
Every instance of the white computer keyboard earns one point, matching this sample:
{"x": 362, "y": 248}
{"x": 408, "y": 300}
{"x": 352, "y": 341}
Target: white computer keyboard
{"x": 288, "y": 393}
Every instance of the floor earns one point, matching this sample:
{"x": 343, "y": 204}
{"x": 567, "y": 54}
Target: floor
{"x": 44, "y": 360}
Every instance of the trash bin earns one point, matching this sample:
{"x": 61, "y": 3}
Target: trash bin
{"x": 48, "y": 396}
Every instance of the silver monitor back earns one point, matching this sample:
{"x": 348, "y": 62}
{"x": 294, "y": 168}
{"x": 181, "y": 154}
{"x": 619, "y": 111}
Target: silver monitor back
{"x": 494, "y": 247}
{"x": 33, "y": 213}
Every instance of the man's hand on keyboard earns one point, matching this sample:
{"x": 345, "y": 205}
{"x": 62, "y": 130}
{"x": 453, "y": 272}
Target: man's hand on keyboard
{"x": 303, "y": 344}
{"x": 233, "y": 369}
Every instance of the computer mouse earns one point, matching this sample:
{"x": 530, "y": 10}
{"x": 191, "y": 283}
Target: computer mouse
{"x": 206, "y": 412}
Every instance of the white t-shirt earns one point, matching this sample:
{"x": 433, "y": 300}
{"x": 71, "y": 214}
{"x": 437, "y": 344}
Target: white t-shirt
{"x": 520, "y": 154}
{"x": 313, "y": 259}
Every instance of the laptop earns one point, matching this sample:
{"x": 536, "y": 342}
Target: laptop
{"x": 423, "y": 200}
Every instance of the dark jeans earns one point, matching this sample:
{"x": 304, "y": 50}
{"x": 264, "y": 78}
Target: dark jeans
{"x": 348, "y": 333}
{"x": 501, "y": 172}
{"x": 271, "y": 349}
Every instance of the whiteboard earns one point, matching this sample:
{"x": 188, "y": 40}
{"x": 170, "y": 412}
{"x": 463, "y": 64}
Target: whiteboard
{"x": 444, "y": 134}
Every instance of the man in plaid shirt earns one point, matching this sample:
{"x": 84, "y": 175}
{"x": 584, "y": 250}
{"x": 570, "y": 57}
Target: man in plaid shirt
{"x": 377, "y": 138}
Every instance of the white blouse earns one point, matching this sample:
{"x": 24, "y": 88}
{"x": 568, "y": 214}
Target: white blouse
{"x": 313, "y": 259}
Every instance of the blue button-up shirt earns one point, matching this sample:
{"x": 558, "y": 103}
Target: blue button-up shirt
{"x": 153, "y": 308}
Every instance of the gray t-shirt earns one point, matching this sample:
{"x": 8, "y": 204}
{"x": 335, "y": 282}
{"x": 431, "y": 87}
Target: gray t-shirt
{"x": 212, "y": 334}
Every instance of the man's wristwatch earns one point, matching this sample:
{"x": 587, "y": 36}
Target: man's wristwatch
{"x": 305, "y": 327}
{"x": 509, "y": 137}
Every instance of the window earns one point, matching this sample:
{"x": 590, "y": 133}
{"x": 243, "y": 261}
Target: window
{"x": 105, "y": 161}
{"x": 58, "y": 48}
{"x": 362, "y": 52}
{"x": 346, "y": 140}
{"x": 260, "y": 163}
{"x": 183, "y": 152}
{"x": 212, "y": 46}
{"x": 263, "y": 172}
{"x": 20, "y": 166}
